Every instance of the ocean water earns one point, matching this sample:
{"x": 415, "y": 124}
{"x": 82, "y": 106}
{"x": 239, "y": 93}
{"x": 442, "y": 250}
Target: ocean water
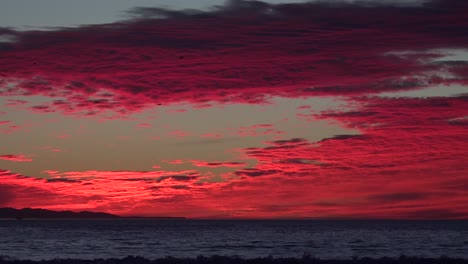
{"x": 91, "y": 239}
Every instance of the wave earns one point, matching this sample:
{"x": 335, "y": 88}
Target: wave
{"x": 216, "y": 259}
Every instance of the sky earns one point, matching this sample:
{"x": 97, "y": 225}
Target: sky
{"x": 238, "y": 109}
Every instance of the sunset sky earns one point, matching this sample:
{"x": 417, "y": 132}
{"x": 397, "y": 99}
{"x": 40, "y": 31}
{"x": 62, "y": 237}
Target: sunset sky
{"x": 238, "y": 109}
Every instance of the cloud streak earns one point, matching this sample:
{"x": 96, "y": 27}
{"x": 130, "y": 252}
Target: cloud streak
{"x": 16, "y": 158}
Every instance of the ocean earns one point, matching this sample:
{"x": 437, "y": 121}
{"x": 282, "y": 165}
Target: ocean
{"x": 91, "y": 239}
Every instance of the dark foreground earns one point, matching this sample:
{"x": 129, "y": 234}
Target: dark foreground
{"x": 237, "y": 260}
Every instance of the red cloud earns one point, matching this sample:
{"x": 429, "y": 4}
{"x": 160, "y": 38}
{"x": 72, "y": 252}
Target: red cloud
{"x": 409, "y": 160}
{"x": 409, "y": 152}
{"x": 144, "y": 125}
{"x": 298, "y": 50}
{"x": 16, "y": 158}
{"x": 174, "y": 161}
{"x": 116, "y": 192}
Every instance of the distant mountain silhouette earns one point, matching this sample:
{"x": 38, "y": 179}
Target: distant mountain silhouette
{"x": 26, "y": 213}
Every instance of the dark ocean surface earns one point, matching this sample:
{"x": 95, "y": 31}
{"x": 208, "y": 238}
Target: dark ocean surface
{"x": 91, "y": 239}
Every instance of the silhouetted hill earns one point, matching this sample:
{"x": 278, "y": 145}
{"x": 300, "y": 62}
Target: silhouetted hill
{"x": 26, "y": 213}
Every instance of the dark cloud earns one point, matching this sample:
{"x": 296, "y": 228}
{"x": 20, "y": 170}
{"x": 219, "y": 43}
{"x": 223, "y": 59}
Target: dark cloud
{"x": 299, "y": 161}
{"x": 397, "y": 197}
{"x": 180, "y": 187}
{"x": 177, "y": 178}
{"x": 436, "y": 214}
{"x": 293, "y": 141}
{"x": 251, "y": 172}
{"x": 233, "y": 164}
{"x": 62, "y": 180}
{"x": 345, "y": 137}
{"x": 330, "y": 203}
{"x": 457, "y": 184}
{"x": 145, "y": 13}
